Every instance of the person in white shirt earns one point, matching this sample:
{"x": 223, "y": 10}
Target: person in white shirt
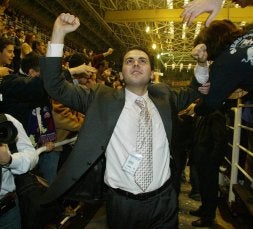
{"x": 13, "y": 163}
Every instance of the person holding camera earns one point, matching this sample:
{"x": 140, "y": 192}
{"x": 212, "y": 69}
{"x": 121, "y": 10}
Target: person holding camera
{"x": 13, "y": 162}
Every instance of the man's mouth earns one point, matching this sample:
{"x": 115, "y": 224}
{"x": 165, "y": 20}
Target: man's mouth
{"x": 136, "y": 72}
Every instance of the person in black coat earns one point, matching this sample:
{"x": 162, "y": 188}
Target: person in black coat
{"x": 229, "y": 50}
{"x": 209, "y": 146}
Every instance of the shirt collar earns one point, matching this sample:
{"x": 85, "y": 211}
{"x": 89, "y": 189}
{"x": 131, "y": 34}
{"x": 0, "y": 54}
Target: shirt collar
{"x": 131, "y": 97}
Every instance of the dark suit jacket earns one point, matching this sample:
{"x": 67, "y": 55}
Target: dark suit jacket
{"x": 102, "y": 106}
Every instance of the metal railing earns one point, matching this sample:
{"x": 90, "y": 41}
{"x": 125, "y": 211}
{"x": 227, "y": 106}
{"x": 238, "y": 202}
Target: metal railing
{"x": 237, "y": 149}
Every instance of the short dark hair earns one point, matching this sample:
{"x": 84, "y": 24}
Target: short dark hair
{"x": 141, "y": 48}
{"x": 4, "y": 42}
{"x": 77, "y": 59}
{"x": 35, "y": 44}
{"x": 31, "y": 61}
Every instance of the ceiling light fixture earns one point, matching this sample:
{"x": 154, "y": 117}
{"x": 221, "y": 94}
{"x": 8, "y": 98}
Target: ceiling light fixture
{"x": 171, "y": 29}
{"x": 169, "y": 4}
{"x": 243, "y": 23}
{"x": 184, "y": 31}
{"x": 186, "y": 2}
{"x": 197, "y": 29}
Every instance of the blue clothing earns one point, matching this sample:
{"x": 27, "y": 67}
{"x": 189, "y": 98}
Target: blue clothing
{"x": 247, "y": 112}
{"x": 11, "y": 219}
{"x": 48, "y": 164}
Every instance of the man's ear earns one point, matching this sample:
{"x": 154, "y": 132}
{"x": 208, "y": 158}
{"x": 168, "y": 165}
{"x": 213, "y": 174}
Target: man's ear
{"x": 152, "y": 76}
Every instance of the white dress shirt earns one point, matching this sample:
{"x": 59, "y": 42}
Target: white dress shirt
{"x": 22, "y": 161}
{"x": 123, "y": 143}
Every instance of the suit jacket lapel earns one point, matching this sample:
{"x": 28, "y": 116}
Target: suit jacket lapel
{"x": 164, "y": 110}
{"x": 113, "y": 111}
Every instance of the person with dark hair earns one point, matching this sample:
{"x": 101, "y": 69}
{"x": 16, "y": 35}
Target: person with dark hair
{"x": 30, "y": 65}
{"x": 26, "y": 47}
{"x": 39, "y": 47}
{"x": 208, "y": 150}
{"x": 22, "y": 93}
{"x": 229, "y": 50}
{"x": 122, "y": 124}
{"x": 77, "y": 59}
{"x": 6, "y": 56}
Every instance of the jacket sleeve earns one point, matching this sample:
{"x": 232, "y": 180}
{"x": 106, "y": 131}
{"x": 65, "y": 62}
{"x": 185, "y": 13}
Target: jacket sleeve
{"x": 73, "y": 96}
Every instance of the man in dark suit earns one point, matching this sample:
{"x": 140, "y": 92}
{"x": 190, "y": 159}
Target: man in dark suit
{"x": 111, "y": 126}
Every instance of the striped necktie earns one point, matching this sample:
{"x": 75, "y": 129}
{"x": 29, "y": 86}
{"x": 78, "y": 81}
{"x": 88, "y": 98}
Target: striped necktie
{"x": 144, "y": 174}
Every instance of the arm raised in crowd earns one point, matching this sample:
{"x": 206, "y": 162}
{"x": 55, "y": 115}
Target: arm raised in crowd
{"x": 64, "y": 24}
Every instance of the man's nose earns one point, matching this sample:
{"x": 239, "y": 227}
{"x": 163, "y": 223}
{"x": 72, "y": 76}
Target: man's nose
{"x": 136, "y": 62}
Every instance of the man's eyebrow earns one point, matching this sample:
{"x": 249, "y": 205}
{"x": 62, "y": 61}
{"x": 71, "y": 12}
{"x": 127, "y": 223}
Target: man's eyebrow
{"x": 140, "y": 57}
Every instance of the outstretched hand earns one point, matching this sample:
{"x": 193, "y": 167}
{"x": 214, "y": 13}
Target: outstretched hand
{"x": 4, "y": 71}
{"x": 197, "y": 7}
{"x": 65, "y": 23}
{"x": 88, "y": 70}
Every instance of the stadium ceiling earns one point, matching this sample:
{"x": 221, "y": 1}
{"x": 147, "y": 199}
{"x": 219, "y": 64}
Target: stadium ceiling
{"x": 120, "y": 24}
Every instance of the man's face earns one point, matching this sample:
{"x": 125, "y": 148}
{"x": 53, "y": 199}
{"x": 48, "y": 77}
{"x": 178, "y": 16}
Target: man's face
{"x": 6, "y": 56}
{"x": 136, "y": 68}
{"x": 42, "y": 48}
{"x": 21, "y": 34}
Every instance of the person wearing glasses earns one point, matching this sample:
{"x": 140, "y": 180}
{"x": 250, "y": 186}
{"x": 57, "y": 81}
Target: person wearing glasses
{"x": 112, "y": 129}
